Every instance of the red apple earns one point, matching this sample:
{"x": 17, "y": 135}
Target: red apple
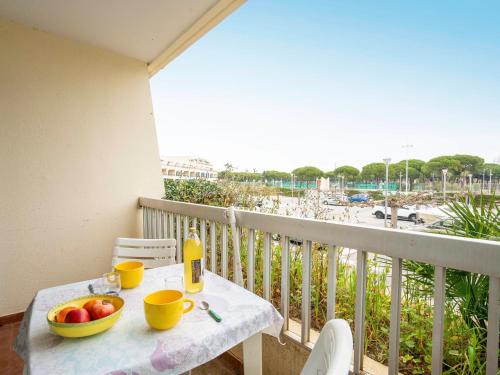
{"x": 89, "y": 306}
{"x": 61, "y": 315}
{"x": 77, "y": 316}
{"x": 103, "y": 309}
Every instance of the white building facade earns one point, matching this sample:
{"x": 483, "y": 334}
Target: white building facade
{"x": 186, "y": 167}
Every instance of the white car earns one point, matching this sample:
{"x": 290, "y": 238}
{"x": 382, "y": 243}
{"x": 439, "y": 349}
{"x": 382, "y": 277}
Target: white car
{"x": 404, "y": 212}
{"x": 335, "y": 200}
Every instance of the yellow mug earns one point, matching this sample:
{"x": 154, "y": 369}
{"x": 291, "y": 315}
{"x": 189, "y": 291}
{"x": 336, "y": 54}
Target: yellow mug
{"x": 131, "y": 273}
{"x": 163, "y": 309}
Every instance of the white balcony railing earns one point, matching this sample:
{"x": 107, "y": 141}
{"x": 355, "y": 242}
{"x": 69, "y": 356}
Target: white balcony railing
{"x": 171, "y": 219}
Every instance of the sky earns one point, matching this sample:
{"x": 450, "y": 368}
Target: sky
{"x": 283, "y": 84}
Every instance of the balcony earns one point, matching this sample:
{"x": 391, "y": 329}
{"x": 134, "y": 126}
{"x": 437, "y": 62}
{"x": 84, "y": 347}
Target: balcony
{"x": 79, "y": 146}
{"x": 272, "y": 240}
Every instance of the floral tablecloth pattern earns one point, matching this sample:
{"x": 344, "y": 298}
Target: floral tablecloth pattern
{"x": 131, "y": 347}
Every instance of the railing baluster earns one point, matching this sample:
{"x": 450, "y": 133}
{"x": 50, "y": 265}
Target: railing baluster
{"x": 158, "y": 224}
{"x": 150, "y": 223}
{"x": 285, "y": 280}
{"x": 178, "y": 233}
{"x": 438, "y": 320}
{"x": 147, "y": 225}
{"x": 395, "y": 316}
{"x": 359, "y": 312}
{"x": 164, "y": 224}
{"x": 203, "y": 239}
{"x": 224, "y": 251}
{"x": 195, "y": 222}
{"x": 493, "y": 327}
{"x": 171, "y": 233}
{"x": 305, "y": 323}
{"x": 332, "y": 282}
{"x": 153, "y": 223}
{"x": 267, "y": 266}
{"x": 251, "y": 259}
{"x": 213, "y": 249}
{"x": 236, "y": 244}
{"x": 144, "y": 224}
{"x": 185, "y": 227}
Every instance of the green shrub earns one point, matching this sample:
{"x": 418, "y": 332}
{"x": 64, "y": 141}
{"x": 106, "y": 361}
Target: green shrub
{"x": 465, "y": 308}
{"x": 352, "y": 192}
{"x": 376, "y": 195}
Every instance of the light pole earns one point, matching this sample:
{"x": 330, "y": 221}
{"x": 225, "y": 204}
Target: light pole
{"x": 407, "y": 147}
{"x": 291, "y": 182}
{"x": 489, "y": 184}
{"x": 386, "y": 161}
{"x": 400, "y": 175}
{"x": 482, "y": 181}
{"x": 445, "y": 171}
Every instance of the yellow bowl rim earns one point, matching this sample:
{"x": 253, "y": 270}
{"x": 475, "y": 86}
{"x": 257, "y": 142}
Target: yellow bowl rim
{"x": 92, "y": 322}
{"x": 166, "y": 303}
{"x": 130, "y": 269}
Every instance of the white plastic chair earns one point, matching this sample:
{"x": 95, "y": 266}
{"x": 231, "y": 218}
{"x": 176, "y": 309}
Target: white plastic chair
{"x": 332, "y": 353}
{"x": 153, "y": 253}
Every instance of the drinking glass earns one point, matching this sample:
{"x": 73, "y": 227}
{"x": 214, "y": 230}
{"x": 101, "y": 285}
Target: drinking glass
{"x": 110, "y": 283}
{"x": 175, "y": 283}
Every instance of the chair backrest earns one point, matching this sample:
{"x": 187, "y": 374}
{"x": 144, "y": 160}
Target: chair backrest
{"x": 332, "y": 353}
{"x": 153, "y": 253}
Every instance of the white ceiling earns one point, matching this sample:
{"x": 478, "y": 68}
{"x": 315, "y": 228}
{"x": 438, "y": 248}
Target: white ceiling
{"x": 141, "y": 29}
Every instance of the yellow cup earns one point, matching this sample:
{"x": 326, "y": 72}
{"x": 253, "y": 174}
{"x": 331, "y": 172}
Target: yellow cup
{"x": 131, "y": 273}
{"x": 163, "y": 309}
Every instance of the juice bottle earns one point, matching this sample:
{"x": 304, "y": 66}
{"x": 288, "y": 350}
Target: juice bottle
{"x": 193, "y": 263}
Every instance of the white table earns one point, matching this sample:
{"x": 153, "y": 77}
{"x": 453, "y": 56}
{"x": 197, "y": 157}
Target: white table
{"x": 131, "y": 347}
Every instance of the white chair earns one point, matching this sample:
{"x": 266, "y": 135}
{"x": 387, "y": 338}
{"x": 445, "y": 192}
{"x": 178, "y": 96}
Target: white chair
{"x": 332, "y": 353}
{"x": 153, "y": 253}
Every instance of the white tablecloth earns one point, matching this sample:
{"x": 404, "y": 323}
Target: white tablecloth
{"x": 131, "y": 347}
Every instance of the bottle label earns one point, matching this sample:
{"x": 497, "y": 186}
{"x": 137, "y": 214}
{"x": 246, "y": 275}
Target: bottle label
{"x": 196, "y": 271}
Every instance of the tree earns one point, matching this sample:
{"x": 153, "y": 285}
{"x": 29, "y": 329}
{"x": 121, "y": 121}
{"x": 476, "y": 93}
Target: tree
{"x": 275, "y": 175}
{"x": 414, "y": 170}
{"x": 245, "y": 176}
{"x": 415, "y": 163}
{"x": 229, "y": 167}
{"x": 373, "y": 171}
{"x": 349, "y": 172}
{"x": 456, "y": 165}
{"x": 495, "y": 170}
{"x": 467, "y": 291}
{"x": 436, "y": 165}
{"x": 398, "y": 200}
{"x": 307, "y": 173}
{"x": 469, "y": 163}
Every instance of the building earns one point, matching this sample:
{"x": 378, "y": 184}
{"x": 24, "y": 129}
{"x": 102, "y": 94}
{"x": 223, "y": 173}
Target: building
{"x": 187, "y": 167}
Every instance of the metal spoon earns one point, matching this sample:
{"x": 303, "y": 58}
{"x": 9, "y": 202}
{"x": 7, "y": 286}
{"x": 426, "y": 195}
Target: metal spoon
{"x": 205, "y": 306}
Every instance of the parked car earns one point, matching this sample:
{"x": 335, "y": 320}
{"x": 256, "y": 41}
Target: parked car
{"x": 440, "y": 226}
{"x": 335, "y": 199}
{"x": 359, "y": 198}
{"x": 404, "y": 212}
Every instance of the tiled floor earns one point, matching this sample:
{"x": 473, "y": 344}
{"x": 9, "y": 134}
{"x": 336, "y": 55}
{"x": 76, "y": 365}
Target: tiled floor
{"x": 11, "y": 364}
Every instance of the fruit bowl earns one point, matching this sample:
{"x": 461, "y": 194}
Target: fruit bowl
{"x": 87, "y": 328}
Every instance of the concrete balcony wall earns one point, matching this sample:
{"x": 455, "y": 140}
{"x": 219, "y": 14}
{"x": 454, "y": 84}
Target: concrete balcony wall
{"x": 77, "y": 147}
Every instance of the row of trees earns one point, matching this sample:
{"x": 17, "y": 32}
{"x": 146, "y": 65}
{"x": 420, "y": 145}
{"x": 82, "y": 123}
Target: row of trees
{"x": 457, "y": 166}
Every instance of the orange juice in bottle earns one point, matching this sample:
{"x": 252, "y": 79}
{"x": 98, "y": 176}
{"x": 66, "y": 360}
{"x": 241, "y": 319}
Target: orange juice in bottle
{"x": 193, "y": 263}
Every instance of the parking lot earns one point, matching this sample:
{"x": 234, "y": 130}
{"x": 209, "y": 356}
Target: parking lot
{"x": 354, "y": 213}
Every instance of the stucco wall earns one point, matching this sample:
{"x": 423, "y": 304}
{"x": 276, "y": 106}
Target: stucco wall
{"x": 77, "y": 148}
